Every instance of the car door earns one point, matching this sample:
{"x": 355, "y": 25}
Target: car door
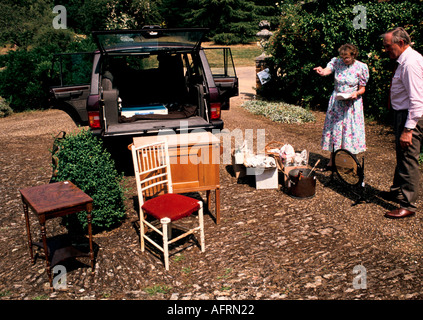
{"x": 224, "y": 75}
{"x": 71, "y": 79}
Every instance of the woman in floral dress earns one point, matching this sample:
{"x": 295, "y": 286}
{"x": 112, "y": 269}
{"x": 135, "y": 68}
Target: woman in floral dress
{"x": 344, "y": 123}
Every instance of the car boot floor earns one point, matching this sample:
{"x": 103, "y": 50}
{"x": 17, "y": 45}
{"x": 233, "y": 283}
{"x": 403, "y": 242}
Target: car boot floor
{"x": 143, "y": 126}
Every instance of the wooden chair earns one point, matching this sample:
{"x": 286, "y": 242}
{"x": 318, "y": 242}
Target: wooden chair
{"x": 154, "y": 186}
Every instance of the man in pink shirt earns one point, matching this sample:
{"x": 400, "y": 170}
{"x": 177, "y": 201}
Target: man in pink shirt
{"x": 406, "y": 98}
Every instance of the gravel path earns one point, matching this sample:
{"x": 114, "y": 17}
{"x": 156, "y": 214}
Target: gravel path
{"x": 268, "y": 245}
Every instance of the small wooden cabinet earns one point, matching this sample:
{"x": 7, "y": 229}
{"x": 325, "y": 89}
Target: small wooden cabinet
{"x": 194, "y": 159}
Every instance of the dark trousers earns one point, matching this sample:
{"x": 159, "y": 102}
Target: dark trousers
{"x": 407, "y": 171}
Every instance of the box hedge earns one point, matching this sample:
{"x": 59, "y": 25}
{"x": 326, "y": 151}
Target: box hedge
{"x": 82, "y": 159}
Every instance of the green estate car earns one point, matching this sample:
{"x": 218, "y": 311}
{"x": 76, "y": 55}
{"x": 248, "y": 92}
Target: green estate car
{"x": 140, "y": 82}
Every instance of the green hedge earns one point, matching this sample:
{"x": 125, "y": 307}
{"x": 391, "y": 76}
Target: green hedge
{"x": 310, "y": 35}
{"x": 83, "y": 160}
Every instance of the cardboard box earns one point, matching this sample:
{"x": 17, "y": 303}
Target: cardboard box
{"x": 143, "y": 110}
{"x": 267, "y": 178}
{"x": 238, "y": 167}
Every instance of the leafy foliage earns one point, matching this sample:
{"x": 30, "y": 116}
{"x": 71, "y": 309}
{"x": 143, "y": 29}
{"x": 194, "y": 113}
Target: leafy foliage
{"x": 83, "y": 160}
{"x": 279, "y": 111}
{"x": 230, "y": 21}
{"x": 5, "y": 109}
{"x": 310, "y": 34}
{"x": 21, "y": 20}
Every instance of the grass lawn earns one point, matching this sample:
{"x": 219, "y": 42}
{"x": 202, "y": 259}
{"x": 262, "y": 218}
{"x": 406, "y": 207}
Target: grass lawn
{"x": 243, "y": 55}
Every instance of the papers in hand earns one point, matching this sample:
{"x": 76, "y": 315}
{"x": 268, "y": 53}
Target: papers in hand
{"x": 342, "y": 96}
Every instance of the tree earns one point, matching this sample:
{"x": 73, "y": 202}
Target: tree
{"x": 174, "y": 13}
{"x": 134, "y": 14}
{"x": 21, "y": 20}
{"x": 86, "y": 16}
{"x": 267, "y": 10}
{"x": 230, "y": 21}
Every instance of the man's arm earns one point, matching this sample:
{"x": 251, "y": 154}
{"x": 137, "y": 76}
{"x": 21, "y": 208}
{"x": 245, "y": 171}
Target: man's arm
{"x": 413, "y": 83}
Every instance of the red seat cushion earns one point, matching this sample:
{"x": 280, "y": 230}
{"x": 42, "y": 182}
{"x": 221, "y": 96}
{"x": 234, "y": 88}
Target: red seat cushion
{"x": 170, "y": 205}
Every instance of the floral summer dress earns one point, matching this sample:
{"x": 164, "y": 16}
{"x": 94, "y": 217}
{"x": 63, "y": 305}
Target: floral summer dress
{"x": 344, "y": 123}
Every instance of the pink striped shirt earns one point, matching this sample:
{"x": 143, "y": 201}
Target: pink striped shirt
{"x": 407, "y": 86}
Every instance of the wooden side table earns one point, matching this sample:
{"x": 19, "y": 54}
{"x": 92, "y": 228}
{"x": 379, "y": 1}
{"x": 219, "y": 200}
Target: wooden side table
{"x": 51, "y": 201}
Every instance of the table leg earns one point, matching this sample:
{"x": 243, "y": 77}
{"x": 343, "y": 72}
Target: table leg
{"x": 217, "y": 202}
{"x": 208, "y": 192}
{"x": 89, "y": 218}
{"x": 46, "y": 252}
{"x": 217, "y": 205}
{"x": 28, "y": 231}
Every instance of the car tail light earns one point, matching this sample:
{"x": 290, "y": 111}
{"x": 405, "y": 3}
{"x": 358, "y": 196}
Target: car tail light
{"x": 215, "y": 110}
{"x": 94, "y": 119}
{"x": 93, "y": 109}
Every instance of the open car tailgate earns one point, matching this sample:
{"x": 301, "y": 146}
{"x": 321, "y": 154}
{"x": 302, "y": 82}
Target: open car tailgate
{"x": 148, "y": 40}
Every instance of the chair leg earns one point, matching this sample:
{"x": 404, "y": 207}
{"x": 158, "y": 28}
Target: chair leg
{"x": 142, "y": 231}
{"x": 165, "y": 224}
{"x": 169, "y": 231}
{"x": 201, "y": 221}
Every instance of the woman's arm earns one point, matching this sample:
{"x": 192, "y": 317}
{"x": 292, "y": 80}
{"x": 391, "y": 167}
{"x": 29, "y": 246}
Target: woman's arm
{"x": 359, "y": 92}
{"x": 323, "y": 72}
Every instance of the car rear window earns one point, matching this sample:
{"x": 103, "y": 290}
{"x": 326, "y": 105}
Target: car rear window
{"x": 148, "y": 40}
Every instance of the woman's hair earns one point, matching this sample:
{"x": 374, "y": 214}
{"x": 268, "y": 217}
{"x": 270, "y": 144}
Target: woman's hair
{"x": 399, "y": 34}
{"x": 348, "y": 47}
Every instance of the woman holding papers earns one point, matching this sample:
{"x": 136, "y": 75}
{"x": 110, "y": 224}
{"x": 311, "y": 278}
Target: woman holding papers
{"x": 344, "y": 123}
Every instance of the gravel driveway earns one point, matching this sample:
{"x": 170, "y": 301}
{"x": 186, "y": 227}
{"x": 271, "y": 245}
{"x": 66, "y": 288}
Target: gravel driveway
{"x": 268, "y": 245}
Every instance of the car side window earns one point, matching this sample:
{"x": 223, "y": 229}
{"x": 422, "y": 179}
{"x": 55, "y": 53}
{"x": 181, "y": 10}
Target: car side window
{"x": 72, "y": 68}
{"x": 221, "y": 62}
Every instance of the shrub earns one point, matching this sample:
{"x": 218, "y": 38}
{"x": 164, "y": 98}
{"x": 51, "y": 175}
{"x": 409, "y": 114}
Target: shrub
{"x": 83, "y": 160}
{"x": 226, "y": 39}
{"x": 279, "y": 111}
{"x": 5, "y": 109}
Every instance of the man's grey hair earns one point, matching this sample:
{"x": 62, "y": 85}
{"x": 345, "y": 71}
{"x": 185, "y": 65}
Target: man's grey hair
{"x": 399, "y": 34}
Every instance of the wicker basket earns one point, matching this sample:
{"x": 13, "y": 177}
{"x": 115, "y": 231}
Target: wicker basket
{"x": 275, "y": 145}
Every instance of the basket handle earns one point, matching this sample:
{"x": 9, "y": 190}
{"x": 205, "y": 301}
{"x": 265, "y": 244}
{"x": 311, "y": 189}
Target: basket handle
{"x": 267, "y": 146}
{"x": 272, "y": 142}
